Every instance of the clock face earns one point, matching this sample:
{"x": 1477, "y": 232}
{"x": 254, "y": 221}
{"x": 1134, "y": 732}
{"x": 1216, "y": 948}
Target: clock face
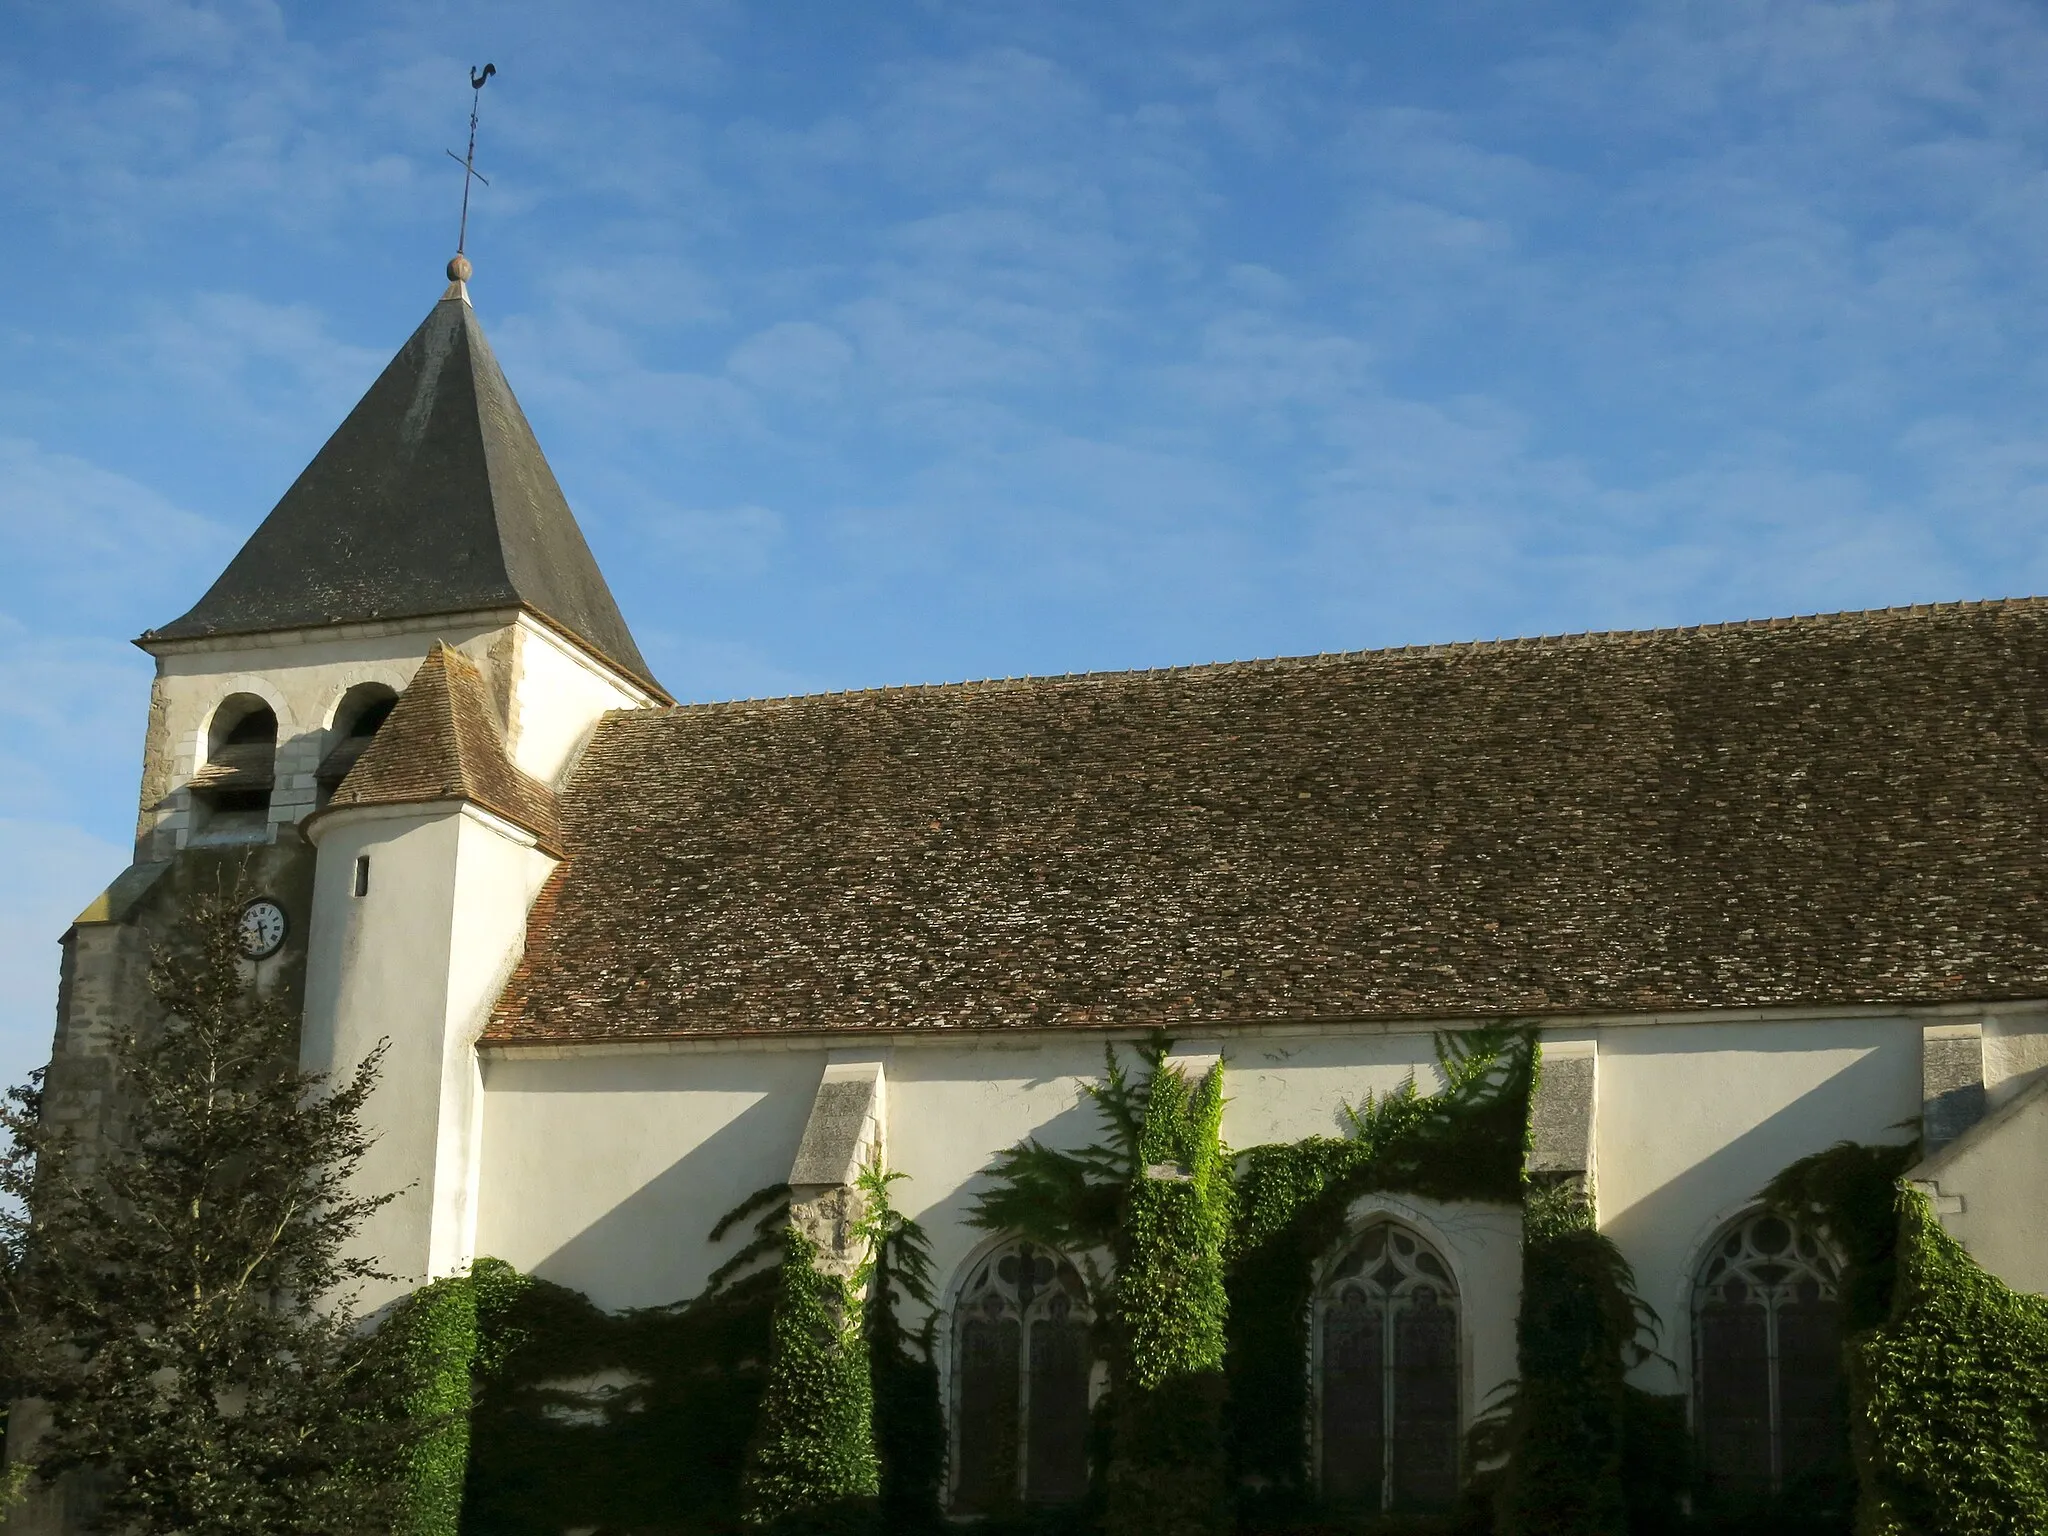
{"x": 261, "y": 929}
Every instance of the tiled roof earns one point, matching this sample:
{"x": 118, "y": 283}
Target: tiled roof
{"x": 431, "y": 498}
{"x": 443, "y": 742}
{"x": 1840, "y": 809}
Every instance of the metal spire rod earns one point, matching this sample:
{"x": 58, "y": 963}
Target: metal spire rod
{"x": 469, "y": 170}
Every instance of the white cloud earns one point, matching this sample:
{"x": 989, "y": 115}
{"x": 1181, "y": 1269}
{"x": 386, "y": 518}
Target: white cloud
{"x": 273, "y": 366}
{"x": 793, "y": 357}
{"x": 92, "y": 545}
{"x": 641, "y": 290}
{"x": 71, "y": 719}
{"x": 727, "y": 544}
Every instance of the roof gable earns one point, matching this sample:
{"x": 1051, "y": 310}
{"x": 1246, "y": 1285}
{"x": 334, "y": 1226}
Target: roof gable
{"x": 442, "y": 742}
{"x": 1838, "y": 810}
{"x": 431, "y": 498}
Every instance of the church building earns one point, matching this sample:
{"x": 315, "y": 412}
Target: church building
{"x": 1758, "y": 888}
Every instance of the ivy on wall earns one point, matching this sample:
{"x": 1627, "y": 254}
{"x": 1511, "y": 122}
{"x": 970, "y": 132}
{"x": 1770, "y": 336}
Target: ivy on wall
{"x": 1578, "y": 1449}
{"x": 812, "y": 1463}
{"x": 549, "y": 1414}
{"x": 431, "y": 1337}
{"x": 903, "y": 1376}
{"x": 776, "y": 1401}
{"x": 1213, "y": 1249}
{"x": 1851, "y": 1191}
{"x": 1948, "y": 1367}
{"x": 636, "y": 1421}
{"x": 1166, "y": 1471}
{"x": 1954, "y": 1395}
{"x": 1466, "y": 1142}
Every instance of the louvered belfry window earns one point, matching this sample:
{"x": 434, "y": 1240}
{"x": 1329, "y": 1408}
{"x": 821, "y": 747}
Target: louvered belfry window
{"x": 1022, "y": 1359}
{"x": 1767, "y": 1362}
{"x": 1388, "y": 1374}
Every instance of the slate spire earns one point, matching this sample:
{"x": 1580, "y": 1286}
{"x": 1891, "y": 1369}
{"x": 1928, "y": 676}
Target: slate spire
{"x": 431, "y": 498}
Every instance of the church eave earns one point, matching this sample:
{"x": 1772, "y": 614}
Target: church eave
{"x": 157, "y": 642}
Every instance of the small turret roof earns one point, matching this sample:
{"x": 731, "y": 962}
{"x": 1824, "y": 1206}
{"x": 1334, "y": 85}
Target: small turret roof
{"x": 433, "y": 497}
{"x": 443, "y": 742}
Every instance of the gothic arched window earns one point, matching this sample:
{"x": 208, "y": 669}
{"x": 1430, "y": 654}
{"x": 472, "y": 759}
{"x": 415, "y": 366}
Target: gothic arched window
{"x": 1388, "y": 1373}
{"x": 1022, "y": 1360}
{"x": 1767, "y": 1362}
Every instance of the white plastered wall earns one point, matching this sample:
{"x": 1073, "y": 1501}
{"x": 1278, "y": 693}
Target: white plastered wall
{"x": 1694, "y": 1120}
{"x": 2015, "y": 1050}
{"x": 573, "y": 1141}
{"x": 603, "y": 1171}
{"x": 1986, "y": 1189}
{"x": 559, "y": 694}
{"x": 418, "y": 960}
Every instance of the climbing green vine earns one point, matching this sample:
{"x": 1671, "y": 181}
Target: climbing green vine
{"x": 432, "y": 1338}
{"x": 909, "y": 1430}
{"x": 1466, "y": 1142}
{"x": 1204, "y": 1312}
{"x": 1954, "y": 1395}
{"x": 1948, "y": 1366}
{"x": 788, "y": 1399}
{"x": 1562, "y": 1434}
{"x": 812, "y": 1463}
{"x": 1166, "y": 1468}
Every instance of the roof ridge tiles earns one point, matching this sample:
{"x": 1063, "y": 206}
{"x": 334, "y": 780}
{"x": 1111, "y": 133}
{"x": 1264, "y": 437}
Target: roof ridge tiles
{"x": 1305, "y": 660}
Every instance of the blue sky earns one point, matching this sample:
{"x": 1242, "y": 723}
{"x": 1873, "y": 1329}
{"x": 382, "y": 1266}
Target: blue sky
{"x": 905, "y": 342}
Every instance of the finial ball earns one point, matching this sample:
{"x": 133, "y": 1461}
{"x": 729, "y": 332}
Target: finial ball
{"x": 458, "y": 268}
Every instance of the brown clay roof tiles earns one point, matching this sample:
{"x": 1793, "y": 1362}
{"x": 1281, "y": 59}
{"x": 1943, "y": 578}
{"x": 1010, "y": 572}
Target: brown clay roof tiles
{"x": 443, "y": 742}
{"x": 1841, "y": 809}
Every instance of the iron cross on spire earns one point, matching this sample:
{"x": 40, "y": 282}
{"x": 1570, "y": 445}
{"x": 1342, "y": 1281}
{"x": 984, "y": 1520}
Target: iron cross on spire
{"x": 469, "y": 171}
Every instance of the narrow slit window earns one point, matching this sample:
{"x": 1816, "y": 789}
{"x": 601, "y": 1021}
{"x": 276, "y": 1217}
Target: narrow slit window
{"x": 362, "y": 883}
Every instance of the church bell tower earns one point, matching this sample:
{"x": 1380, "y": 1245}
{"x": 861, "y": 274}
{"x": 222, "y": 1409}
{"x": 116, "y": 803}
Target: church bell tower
{"x": 359, "y": 730}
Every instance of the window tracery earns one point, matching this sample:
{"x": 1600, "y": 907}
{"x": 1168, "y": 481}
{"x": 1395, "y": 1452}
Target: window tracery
{"x": 1022, "y": 1360}
{"x": 1767, "y": 1343}
{"x": 1389, "y": 1370}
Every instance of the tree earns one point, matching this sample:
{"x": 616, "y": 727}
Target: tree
{"x": 178, "y": 1294}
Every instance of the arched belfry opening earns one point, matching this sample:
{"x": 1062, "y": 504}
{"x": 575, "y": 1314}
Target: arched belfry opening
{"x": 231, "y": 790}
{"x": 357, "y": 719}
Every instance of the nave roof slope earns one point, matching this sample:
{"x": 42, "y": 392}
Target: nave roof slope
{"x": 1839, "y": 809}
